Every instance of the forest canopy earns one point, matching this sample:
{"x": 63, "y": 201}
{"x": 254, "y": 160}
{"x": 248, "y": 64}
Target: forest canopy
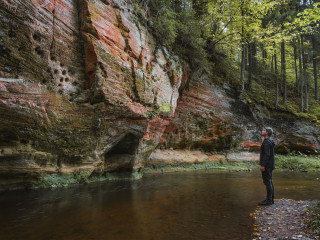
{"x": 272, "y": 46}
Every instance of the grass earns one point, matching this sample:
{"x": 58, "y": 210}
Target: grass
{"x": 302, "y": 163}
{"x": 313, "y": 224}
{"x": 174, "y": 167}
{"x": 291, "y": 162}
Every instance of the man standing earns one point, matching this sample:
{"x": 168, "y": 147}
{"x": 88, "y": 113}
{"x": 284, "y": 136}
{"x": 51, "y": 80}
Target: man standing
{"x": 267, "y": 164}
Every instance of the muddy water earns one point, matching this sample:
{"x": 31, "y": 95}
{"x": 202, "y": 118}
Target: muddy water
{"x": 185, "y": 205}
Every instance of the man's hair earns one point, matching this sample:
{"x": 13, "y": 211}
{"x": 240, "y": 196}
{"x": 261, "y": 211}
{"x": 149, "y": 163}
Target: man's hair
{"x": 269, "y": 130}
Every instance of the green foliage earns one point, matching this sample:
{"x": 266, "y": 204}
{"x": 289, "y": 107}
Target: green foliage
{"x": 63, "y": 180}
{"x": 307, "y": 21}
{"x": 184, "y": 166}
{"x": 165, "y": 27}
{"x": 139, "y": 14}
{"x": 189, "y": 43}
{"x": 166, "y": 107}
{"x": 299, "y": 162}
{"x": 175, "y": 25}
{"x": 152, "y": 113}
{"x": 211, "y": 34}
{"x": 314, "y": 222}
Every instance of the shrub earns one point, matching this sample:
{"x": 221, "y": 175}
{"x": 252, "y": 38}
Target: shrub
{"x": 175, "y": 26}
{"x": 297, "y": 162}
{"x": 314, "y": 222}
{"x": 165, "y": 28}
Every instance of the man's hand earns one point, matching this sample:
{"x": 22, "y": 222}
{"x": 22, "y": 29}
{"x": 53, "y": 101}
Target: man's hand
{"x": 262, "y": 168}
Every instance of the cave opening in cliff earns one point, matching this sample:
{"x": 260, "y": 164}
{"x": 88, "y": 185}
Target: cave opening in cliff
{"x": 121, "y": 157}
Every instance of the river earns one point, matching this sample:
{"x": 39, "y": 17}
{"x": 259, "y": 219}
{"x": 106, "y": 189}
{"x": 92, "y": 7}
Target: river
{"x": 182, "y": 205}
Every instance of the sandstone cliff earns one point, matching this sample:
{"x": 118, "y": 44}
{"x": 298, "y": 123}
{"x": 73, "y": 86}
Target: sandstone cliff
{"x": 86, "y": 92}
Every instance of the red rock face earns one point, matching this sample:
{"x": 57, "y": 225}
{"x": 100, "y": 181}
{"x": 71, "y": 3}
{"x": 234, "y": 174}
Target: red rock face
{"x": 292, "y": 141}
{"x": 251, "y": 146}
{"x": 121, "y": 67}
{"x": 125, "y": 70}
{"x": 207, "y": 119}
{"x": 77, "y": 80}
{"x": 203, "y": 120}
{"x": 41, "y": 44}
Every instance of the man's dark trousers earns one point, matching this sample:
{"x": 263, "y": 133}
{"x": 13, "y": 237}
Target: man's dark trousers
{"x": 267, "y": 180}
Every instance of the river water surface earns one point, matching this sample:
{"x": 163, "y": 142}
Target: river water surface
{"x": 184, "y": 205}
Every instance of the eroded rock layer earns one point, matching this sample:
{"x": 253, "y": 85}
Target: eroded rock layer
{"x": 83, "y": 89}
{"x": 213, "y": 118}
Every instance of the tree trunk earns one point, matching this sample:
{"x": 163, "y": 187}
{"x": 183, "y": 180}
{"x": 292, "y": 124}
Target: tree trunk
{"x": 295, "y": 66}
{"x": 176, "y": 4}
{"x": 250, "y": 66}
{"x": 264, "y": 55}
{"x": 315, "y": 72}
{"x": 306, "y": 87}
{"x": 243, "y": 46}
{"x": 305, "y": 77}
{"x": 281, "y": 74}
{"x": 254, "y": 57}
{"x": 276, "y": 74}
{"x": 283, "y": 71}
{"x": 306, "y": 81}
{"x": 301, "y": 74}
{"x": 243, "y": 65}
{"x": 265, "y": 86}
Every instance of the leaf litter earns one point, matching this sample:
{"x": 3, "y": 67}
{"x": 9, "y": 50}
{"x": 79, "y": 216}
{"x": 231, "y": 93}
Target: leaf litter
{"x": 285, "y": 219}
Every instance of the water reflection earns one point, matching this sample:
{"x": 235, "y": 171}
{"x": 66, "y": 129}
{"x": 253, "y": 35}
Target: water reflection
{"x": 188, "y": 205}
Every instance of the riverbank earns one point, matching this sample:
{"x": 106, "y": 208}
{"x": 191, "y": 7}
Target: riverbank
{"x": 184, "y": 160}
{"x": 287, "y": 219}
{"x": 168, "y": 160}
{"x": 298, "y": 162}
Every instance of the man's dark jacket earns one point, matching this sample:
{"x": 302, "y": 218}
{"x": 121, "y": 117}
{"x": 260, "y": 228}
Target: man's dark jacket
{"x": 267, "y": 154}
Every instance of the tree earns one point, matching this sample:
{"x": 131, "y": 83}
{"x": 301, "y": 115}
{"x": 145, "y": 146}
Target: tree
{"x": 283, "y": 73}
{"x": 255, "y": 35}
{"x": 301, "y": 74}
{"x": 315, "y": 69}
{"x": 276, "y": 75}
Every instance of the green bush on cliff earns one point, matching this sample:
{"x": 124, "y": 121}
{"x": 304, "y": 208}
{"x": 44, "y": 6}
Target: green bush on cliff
{"x": 55, "y": 180}
{"x": 176, "y": 27}
{"x": 165, "y": 27}
{"x": 63, "y": 180}
{"x": 189, "y": 44}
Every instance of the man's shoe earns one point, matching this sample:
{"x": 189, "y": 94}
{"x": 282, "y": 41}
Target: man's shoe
{"x": 265, "y": 203}
{"x": 262, "y": 202}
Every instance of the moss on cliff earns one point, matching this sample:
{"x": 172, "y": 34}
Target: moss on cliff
{"x": 81, "y": 176}
{"x": 61, "y": 180}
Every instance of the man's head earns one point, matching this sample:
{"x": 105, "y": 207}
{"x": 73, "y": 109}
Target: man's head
{"x": 267, "y": 131}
